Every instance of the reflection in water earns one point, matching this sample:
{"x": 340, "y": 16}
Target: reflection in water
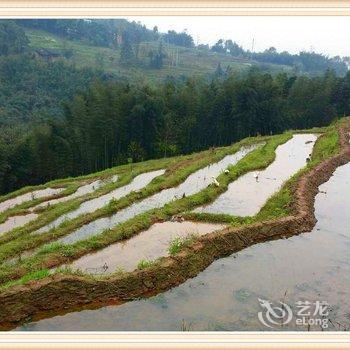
{"x": 92, "y": 205}
{"x": 85, "y": 189}
{"x": 10, "y": 203}
{"x": 193, "y": 184}
{"x": 248, "y": 194}
{"x": 312, "y": 266}
{"x": 147, "y": 245}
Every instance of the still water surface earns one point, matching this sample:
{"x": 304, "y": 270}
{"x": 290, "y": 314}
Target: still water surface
{"x": 247, "y": 195}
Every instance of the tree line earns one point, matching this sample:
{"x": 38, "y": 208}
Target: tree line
{"x": 310, "y": 62}
{"x": 115, "y": 122}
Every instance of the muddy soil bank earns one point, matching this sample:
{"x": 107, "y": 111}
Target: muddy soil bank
{"x": 63, "y": 293}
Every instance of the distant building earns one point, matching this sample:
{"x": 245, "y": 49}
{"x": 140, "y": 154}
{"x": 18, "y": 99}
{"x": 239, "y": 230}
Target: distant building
{"x": 47, "y": 55}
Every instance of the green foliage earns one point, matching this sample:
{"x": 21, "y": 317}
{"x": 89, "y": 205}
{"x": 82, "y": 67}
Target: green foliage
{"x": 68, "y": 251}
{"x": 108, "y": 32}
{"x": 179, "y": 243}
{"x": 97, "y": 32}
{"x": 12, "y": 38}
{"x": 144, "y": 264}
{"x": 112, "y": 122}
{"x": 325, "y": 147}
{"x": 34, "y": 89}
{"x": 49, "y": 248}
{"x": 179, "y": 39}
{"x": 303, "y": 62}
{"x": 33, "y": 276}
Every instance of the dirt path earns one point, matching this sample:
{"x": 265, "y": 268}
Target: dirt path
{"x": 64, "y": 293}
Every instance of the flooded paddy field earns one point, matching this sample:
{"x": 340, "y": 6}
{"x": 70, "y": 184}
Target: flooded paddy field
{"x": 313, "y": 266}
{"x": 147, "y": 246}
{"x": 85, "y": 189}
{"x": 16, "y": 221}
{"x": 248, "y": 194}
{"x": 193, "y": 184}
{"x": 12, "y": 202}
{"x": 90, "y": 206}
{"x": 20, "y": 220}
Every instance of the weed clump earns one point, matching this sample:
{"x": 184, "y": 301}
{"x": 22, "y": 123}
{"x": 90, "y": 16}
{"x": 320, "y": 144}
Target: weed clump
{"x": 144, "y": 264}
{"x": 179, "y": 243}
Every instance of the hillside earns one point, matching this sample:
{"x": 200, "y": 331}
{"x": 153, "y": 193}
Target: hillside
{"x": 58, "y": 236}
{"x": 190, "y": 61}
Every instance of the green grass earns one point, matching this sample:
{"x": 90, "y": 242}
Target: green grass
{"x": 33, "y": 276}
{"x": 192, "y": 62}
{"x": 179, "y": 243}
{"x": 144, "y": 264}
{"x": 325, "y": 147}
{"x": 49, "y": 248}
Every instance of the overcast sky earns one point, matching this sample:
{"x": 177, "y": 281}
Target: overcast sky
{"x": 328, "y": 35}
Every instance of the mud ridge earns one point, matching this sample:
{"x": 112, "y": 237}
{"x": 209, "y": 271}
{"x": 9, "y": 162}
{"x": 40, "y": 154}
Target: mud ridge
{"x": 64, "y": 293}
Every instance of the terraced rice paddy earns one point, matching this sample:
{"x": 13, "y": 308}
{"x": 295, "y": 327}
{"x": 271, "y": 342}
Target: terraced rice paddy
{"x": 12, "y": 202}
{"x": 90, "y": 206}
{"x": 153, "y": 243}
{"x": 193, "y": 184}
{"x": 20, "y": 220}
{"x": 247, "y": 195}
{"x": 88, "y": 188}
{"x": 158, "y": 228}
{"x": 147, "y": 246}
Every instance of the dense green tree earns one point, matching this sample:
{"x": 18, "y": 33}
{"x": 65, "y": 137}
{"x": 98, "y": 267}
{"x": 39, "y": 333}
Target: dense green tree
{"x": 219, "y": 46}
{"x": 179, "y": 39}
{"x": 32, "y": 89}
{"x": 12, "y": 38}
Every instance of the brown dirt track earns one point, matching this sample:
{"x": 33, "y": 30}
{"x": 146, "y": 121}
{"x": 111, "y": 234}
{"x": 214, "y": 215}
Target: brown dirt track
{"x": 63, "y": 293}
